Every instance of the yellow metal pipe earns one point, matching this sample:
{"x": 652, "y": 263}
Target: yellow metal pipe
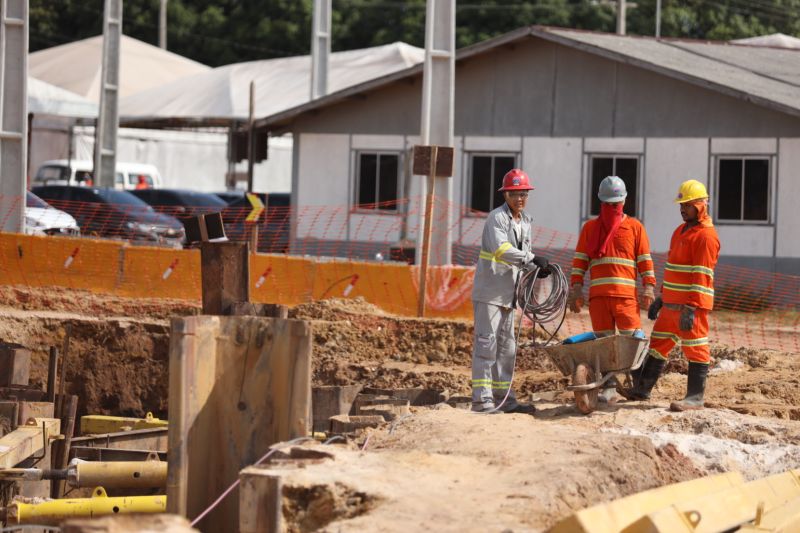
{"x": 118, "y": 474}
{"x": 52, "y": 512}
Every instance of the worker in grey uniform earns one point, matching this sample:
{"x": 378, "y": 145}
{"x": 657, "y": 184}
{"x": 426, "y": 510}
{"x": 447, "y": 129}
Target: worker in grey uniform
{"x": 505, "y": 252}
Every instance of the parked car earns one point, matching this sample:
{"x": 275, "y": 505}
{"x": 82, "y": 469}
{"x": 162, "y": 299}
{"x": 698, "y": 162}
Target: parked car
{"x": 273, "y": 224}
{"x": 180, "y": 203}
{"x": 80, "y": 172}
{"x": 44, "y": 219}
{"x": 114, "y": 214}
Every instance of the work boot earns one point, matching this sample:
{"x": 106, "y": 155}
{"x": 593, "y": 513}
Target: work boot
{"x": 485, "y": 409}
{"x": 525, "y": 409}
{"x": 695, "y": 388}
{"x": 644, "y": 380}
{"x": 608, "y": 394}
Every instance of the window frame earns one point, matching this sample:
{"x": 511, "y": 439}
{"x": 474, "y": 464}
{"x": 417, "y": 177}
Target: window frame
{"x": 586, "y": 211}
{"x": 357, "y": 181}
{"x": 714, "y": 194}
{"x": 472, "y": 212}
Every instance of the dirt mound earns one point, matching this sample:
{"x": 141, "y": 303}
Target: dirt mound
{"x": 333, "y": 308}
{"x": 92, "y": 304}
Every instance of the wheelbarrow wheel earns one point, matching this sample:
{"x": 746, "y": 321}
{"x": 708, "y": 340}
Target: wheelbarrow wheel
{"x": 585, "y": 401}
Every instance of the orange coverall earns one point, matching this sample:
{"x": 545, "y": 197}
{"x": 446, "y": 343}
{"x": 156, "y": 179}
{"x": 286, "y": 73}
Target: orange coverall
{"x": 688, "y": 280}
{"x": 612, "y": 289}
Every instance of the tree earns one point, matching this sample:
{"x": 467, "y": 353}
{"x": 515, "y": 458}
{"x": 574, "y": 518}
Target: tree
{"x": 219, "y": 32}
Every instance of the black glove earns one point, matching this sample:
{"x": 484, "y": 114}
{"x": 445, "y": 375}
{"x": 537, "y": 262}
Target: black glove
{"x": 655, "y": 307}
{"x": 686, "y": 322}
{"x": 541, "y": 262}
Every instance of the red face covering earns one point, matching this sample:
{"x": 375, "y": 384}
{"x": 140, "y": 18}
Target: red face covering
{"x": 611, "y": 217}
{"x": 703, "y": 218}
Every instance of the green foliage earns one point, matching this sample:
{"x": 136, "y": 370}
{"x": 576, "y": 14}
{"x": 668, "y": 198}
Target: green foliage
{"x": 227, "y": 31}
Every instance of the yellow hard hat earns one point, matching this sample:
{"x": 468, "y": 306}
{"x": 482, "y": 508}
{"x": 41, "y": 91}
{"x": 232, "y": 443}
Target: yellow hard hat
{"x": 691, "y": 190}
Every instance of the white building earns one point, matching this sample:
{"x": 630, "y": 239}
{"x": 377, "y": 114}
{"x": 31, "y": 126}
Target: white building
{"x": 570, "y": 107}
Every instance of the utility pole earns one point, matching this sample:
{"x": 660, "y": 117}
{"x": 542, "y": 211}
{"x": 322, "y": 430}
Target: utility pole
{"x": 621, "y": 17}
{"x": 320, "y": 48}
{"x": 105, "y": 133}
{"x": 13, "y": 113}
{"x": 162, "y": 25}
{"x": 658, "y": 19}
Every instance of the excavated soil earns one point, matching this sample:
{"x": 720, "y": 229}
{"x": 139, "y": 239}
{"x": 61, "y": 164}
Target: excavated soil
{"x": 445, "y": 466}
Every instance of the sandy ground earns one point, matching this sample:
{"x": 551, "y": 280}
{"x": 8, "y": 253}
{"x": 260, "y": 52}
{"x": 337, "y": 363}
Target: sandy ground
{"x": 443, "y": 468}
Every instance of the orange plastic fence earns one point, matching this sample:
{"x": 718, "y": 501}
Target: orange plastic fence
{"x": 338, "y": 252}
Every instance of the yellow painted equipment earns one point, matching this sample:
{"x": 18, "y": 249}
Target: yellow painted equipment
{"x": 52, "y": 512}
{"x": 785, "y": 518}
{"x": 118, "y": 474}
{"x": 95, "y": 424}
{"x": 723, "y": 510}
{"x": 619, "y": 514}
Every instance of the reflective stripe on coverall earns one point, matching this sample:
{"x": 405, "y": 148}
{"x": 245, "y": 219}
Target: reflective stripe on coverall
{"x": 612, "y": 286}
{"x": 502, "y": 253}
{"x": 688, "y": 280}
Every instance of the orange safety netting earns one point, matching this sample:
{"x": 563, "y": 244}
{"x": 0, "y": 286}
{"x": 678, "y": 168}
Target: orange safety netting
{"x": 346, "y": 253}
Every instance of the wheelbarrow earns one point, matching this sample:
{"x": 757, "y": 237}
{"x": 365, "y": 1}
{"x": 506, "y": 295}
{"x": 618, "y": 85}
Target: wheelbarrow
{"x": 592, "y": 363}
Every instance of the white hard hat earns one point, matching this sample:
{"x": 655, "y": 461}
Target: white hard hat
{"x": 612, "y": 189}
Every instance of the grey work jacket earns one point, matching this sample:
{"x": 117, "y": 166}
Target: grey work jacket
{"x": 502, "y": 254}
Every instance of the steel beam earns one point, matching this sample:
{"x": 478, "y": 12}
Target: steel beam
{"x": 105, "y": 134}
{"x": 13, "y": 113}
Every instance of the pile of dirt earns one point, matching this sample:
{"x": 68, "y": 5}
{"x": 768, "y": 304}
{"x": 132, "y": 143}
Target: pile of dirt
{"x": 60, "y": 299}
{"x": 334, "y": 308}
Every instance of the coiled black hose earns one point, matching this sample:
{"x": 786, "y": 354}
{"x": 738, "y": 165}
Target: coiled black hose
{"x": 553, "y": 304}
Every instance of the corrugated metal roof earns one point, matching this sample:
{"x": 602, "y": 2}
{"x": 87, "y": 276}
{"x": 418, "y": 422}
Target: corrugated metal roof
{"x": 764, "y": 76}
{"x": 768, "y": 77}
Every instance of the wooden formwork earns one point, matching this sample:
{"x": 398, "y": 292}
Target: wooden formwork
{"x": 238, "y": 384}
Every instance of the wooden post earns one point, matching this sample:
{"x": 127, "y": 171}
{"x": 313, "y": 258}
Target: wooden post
{"x": 426, "y": 242}
{"x": 237, "y": 385}
{"x": 62, "y": 384}
{"x": 68, "y": 414}
{"x": 251, "y": 142}
{"x": 52, "y": 373}
{"x": 225, "y": 273}
{"x": 260, "y": 503}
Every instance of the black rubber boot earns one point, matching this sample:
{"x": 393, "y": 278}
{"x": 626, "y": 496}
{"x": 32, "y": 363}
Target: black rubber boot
{"x": 695, "y": 389}
{"x": 644, "y": 380}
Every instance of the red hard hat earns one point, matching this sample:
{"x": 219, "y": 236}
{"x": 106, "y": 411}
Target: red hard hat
{"x": 516, "y": 180}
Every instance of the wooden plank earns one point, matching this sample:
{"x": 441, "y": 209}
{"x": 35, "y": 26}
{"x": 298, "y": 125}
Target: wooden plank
{"x": 29, "y": 410}
{"x": 328, "y": 401}
{"x": 9, "y": 416}
{"x": 26, "y": 441}
{"x": 260, "y": 502}
{"x": 237, "y": 386}
{"x": 15, "y": 364}
{"x": 225, "y": 273}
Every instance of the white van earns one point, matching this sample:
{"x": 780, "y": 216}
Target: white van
{"x": 79, "y": 172}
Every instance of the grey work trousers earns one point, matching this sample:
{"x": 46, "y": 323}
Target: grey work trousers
{"x": 493, "y": 356}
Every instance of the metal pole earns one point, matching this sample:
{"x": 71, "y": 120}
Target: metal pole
{"x": 426, "y": 240}
{"x": 162, "y": 25}
{"x": 621, "y": 17}
{"x": 320, "y": 48}
{"x": 251, "y": 148}
{"x": 658, "y": 19}
{"x": 105, "y": 135}
{"x": 13, "y": 113}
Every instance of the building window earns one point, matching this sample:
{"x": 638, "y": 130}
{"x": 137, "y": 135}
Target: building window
{"x": 378, "y": 183}
{"x": 743, "y": 189}
{"x": 626, "y": 167}
{"x": 486, "y": 176}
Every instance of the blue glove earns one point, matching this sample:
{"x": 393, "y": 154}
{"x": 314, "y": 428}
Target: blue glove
{"x": 686, "y": 322}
